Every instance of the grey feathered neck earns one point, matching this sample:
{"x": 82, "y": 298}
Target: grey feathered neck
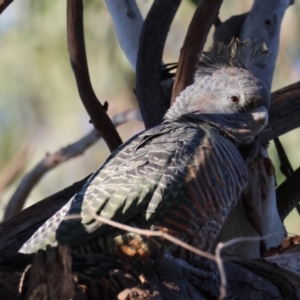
{"x": 239, "y": 54}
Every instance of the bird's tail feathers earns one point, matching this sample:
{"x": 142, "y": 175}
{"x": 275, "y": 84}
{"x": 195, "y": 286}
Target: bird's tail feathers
{"x": 46, "y": 234}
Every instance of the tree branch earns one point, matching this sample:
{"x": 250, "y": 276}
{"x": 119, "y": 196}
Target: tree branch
{"x": 263, "y": 24}
{"x": 51, "y": 161}
{"x": 230, "y": 28}
{"x": 128, "y": 22}
{"x": 148, "y": 74}
{"x": 284, "y": 112}
{"x": 14, "y": 167}
{"x": 204, "y": 16}
{"x": 285, "y": 165}
{"x": 287, "y": 170}
{"x": 76, "y": 47}
{"x": 4, "y": 4}
{"x": 119, "y": 279}
{"x": 288, "y": 194}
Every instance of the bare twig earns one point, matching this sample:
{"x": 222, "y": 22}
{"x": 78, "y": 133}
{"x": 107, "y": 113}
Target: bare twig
{"x": 145, "y": 232}
{"x": 148, "y": 72}
{"x": 51, "y": 161}
{"x": 217, "y": 257}
{"x": 76, "y": 47}
{"x": 21, "y": 285}
{"x": 161, "y": 234}
{"x": 219, "y": 262}
{"x": 4, "y": 4}
{"x": 204, "y": 16}
{"x": 14, "y": 167}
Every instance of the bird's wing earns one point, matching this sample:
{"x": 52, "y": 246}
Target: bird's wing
{"x": 136, "y": 177}
{"x": 139, "y": 177}
{"x": 215, "y": 177}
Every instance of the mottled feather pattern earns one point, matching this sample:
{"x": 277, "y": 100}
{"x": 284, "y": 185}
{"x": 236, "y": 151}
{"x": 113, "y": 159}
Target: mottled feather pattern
{"x": 215, "y": 178}
{"x": 133, "y": 179}
{"x": 182, "y": 177}
{"x": 175, "y": 175}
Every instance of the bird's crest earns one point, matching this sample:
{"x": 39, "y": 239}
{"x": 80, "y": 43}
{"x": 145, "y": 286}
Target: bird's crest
{"x": 239, "y": 54}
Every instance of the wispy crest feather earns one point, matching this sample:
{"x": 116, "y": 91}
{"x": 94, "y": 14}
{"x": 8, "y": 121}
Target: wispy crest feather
{"x": 241, "y": 54}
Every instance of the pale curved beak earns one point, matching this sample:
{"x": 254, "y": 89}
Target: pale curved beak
{"x": 260, "y": 115}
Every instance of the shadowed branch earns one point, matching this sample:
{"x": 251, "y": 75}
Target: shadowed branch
{"x": 204, "y": 16}
{"x": 148, "y": 73}
{"x": 288, "y": 194}
{"x": 4, "y": 4}
{"x": 76, "y": 46}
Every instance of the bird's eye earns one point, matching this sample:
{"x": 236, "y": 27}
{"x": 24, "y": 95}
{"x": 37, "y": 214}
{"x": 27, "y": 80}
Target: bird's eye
{"x": 234, "y": 99}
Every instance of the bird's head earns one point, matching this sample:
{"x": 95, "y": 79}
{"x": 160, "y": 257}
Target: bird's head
{"x": 225, "y": 93}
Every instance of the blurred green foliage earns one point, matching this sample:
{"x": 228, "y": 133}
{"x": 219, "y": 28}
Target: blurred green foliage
{"x": 39, "y": 102}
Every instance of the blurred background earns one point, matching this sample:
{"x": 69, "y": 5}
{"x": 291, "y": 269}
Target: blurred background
{"x": 39, "y": 104}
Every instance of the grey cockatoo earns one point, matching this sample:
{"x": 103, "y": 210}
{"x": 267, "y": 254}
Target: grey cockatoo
{"x": 183, "y": 176}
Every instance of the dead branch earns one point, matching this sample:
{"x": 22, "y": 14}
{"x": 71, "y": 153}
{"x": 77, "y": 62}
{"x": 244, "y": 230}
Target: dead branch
{"x": 76, "y": 46}
{"x": 148, "y": 72}
{"x": 204, "y": 16}
{"x": 14, "y": 167}
{"x": 51, "y": 161}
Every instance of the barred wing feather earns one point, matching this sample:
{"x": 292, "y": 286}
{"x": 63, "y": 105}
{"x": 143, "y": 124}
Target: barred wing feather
{"x": 144, "y": 176}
